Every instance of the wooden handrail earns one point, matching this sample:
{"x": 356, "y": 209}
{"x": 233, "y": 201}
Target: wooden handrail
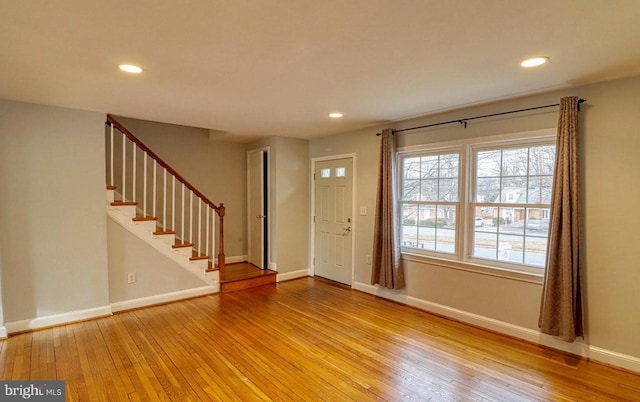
{"x": 218, "y": 208}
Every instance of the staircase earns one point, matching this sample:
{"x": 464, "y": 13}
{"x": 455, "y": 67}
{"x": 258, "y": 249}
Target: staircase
{"x": 147, "y": 228}
{"x": 151, "y": 200}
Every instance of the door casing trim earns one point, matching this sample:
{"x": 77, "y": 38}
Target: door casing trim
{"x": 354, "y": 217}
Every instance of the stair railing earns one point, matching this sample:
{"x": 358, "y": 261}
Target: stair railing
{"x": 173, "y": 215}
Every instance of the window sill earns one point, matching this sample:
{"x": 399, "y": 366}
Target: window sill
{"x": 537, "y": 279}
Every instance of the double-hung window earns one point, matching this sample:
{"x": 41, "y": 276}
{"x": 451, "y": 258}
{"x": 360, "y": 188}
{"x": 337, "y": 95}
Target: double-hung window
{"x": 431, "y": 201}
{"x": 482, "y": 201}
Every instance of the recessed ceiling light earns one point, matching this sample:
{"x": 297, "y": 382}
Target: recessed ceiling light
{"x": 335, "y": 115}
{"x": 129, "y": 68}
{"x": 534, "y": 62}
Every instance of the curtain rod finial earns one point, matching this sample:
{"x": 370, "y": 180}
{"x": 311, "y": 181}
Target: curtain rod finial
{"x": 580, "y": 102}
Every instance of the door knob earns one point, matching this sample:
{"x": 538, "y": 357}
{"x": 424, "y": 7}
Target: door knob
{"x": 261, "y": 216}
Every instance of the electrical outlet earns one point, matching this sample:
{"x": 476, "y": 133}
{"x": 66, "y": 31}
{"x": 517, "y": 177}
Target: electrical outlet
{"x": 131, "y": 277}
{"x": 368, "y": 259}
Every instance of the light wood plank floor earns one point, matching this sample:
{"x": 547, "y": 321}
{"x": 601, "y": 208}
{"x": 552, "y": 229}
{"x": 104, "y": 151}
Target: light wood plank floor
{"x": 306, "y": 340}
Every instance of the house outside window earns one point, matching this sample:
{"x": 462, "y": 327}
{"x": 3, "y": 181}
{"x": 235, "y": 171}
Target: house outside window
{"x": 483, "y": 201}
{"x": 430, "y": 201}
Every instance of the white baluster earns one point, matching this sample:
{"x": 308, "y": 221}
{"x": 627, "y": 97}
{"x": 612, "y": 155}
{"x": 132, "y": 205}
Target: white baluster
{"x": 207, "y": 235}
{"x": 213, "y": 235}
{"x": 144, "y": 191}
{"x": 164, "y": 204}
{"x": 134, "y": 172}
{"x": 182, "y": 236}
{"x": 154, "y": 195}
{"x": 111, "y": 155}
{"x": 124, "y": 167}
{"x": 199, "y": 226}
{"x": 173, "y": 205}
{"x": 191, "y": 217}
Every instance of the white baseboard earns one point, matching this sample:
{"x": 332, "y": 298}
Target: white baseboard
{"x": 164, "y": 298}
{"x": 292, "y": 275}
{"x": 3, "y": 332}
{"x": 273, "y": 266}
{"x": 57, "y": 319}
{"x": 577, "y": 348}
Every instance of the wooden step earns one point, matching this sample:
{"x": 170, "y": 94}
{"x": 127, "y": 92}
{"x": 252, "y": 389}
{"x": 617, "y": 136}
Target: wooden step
{"x": 111, "y": 187}
{"x": 181, "y": 245}
{"x": 165, "y": 232}
{"x": 211, "y": 267}
{"x": 122, "y": 203}
{"x": 144, "y": 218}
{"x": 243, "y": 284}
{"x": 245, "y": 276}
{"x": 197, "y": 257}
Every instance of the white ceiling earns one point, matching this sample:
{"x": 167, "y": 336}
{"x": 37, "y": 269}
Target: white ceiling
{"x": 253, "y": 68}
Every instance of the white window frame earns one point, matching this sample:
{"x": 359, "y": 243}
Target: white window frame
{"x": 454, "y": 149}
{"x": 463, "y": 259}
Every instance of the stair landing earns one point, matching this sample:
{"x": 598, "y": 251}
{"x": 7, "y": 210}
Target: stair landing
{"x": 243, "y": 275}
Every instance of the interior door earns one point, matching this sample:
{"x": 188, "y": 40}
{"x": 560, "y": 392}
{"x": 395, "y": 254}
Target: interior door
{"x": 333, "y": 181}
{"x": 257, "y": 199}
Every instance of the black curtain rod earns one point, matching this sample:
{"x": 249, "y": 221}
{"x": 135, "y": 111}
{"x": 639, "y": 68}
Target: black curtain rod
{"x": 464, "y": 121}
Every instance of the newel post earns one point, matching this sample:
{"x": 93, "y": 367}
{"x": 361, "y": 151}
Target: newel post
{"x": 221, "y": 262}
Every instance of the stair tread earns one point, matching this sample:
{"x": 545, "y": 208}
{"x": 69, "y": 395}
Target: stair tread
{"x": 199, "y": 257}
{"x": 211, "y": 267}
{"x": 164, "y": 232}
{"x": 120, "y": 203}
{"x": 180, "y": 245}
{"x": 111, "y": 187}
{"x": 144, "y": 218}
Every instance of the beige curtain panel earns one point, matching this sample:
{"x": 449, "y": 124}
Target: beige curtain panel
{"x": 386, "y": 268}
{"x": 561, "y": 306}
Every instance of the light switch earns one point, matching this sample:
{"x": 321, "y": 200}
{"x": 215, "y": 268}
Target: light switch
{"x": 363, "y": 211}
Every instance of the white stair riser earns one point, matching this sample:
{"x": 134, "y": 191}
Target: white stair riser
{"x": 184, "y": 251}
{"x": 166, "y": 238}
{"x": 149, "y": 226}
{"x": 122, "y": 214}
{"x": 128, "y": 211}
{"x": 200, "y": 264}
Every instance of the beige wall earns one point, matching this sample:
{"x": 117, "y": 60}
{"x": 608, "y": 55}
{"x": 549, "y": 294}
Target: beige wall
{"x": 610, "y": 124}
{"x": 217, "y": 169}
{"x": 52, "y": 218}
{"x": 292, "y": 204}
{"x": 289, "y": 199}
{"x": 155, "y": 273}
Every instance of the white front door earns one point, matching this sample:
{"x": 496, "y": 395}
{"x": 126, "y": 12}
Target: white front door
{"x": 333, "y": 220}
{"x": 257, "y": 219}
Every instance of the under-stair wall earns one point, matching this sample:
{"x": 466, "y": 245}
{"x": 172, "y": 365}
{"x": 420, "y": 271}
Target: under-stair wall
{"x": 156, "y": 277}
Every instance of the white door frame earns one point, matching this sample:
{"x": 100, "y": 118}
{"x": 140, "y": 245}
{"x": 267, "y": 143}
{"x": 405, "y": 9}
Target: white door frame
{"x": 267, "y": 252}
{"x": 312, "y": 224}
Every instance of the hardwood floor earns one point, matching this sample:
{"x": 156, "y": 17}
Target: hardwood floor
{"x": 241, "y": 276}
{"x": 306, "y": 340}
